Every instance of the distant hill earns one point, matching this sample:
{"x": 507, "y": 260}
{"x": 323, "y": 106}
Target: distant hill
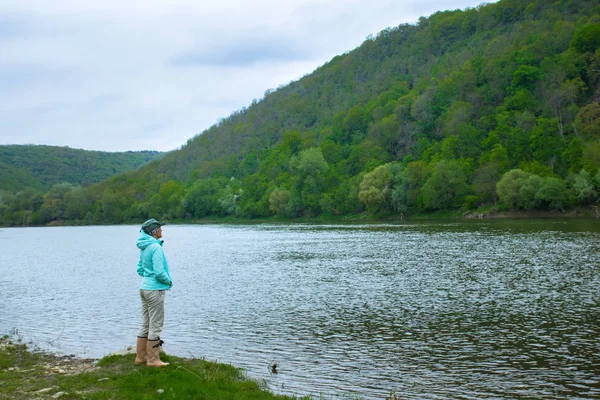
{"x": 40, "y": 167}
{"x": 495, "y": 107}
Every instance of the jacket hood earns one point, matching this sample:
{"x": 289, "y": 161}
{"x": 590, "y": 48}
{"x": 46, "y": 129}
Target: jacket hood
{"x": 146, "y": 240}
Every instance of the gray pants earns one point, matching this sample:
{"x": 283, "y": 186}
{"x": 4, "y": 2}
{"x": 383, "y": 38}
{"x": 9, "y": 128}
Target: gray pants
{"x": 153, "y": 313}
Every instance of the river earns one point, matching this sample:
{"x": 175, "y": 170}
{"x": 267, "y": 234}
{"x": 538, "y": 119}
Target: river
{"x": 428, "y": 309}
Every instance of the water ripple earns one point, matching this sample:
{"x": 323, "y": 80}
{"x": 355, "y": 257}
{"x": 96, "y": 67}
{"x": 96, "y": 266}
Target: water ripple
{"x": 432, "y": 310}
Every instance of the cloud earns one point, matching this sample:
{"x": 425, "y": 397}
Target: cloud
{"x": 12, "y": 25}
{"x": 130, "y": 75}
{"x": 245, "y": 49}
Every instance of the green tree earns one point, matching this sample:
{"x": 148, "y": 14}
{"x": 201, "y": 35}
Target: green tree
{"x": 521, "y": 100}
{"x": 530, "y": 186}
{"x": 416, "y": 173}
{"x": 169, "y": 199}
{"x": 112, "y": 207}
{"x": 279, "y": 201}
{"x": 332, "y": 151}
{"x": 525, "y": 77}
{"x": 6, "y": 201}
{"x": 355, "y": 124}
{"x": 343, "y": 199}
{"x": 585, "y": 188}
{"x": 386, "y": 133}
{"x": 78, "y": 204}
{"x": 139, "y": 211}
{"x": 202, "y": 199}
{"x": 573, "y": 154}
{"x": 229, "y": 201}
{"x": 254, "y": 200}
{"x": 508, "y": 188}
{"x": 308, "y": 170}
{"x": 552, "y": 194}
{"x": 364, "y": 157}
{"x": 498, "y": 156}
{"x": 459, "y": 113}
{"x": 587, "y": 123}
{"x": 484, "y": 183}
{"x": 377, "y": 188}
{"x": 426, "y": 110}
{"x": 587, "y": 38}
{"x": 547, "y": 143}
{"x": 54, "y": 203}
{"x": 28, "y": 199}
{"x": 591, "y": 155}
{"x": 561, "y": 96}
{"x": 512, "y": 131}
{"x": 447, "y": 186}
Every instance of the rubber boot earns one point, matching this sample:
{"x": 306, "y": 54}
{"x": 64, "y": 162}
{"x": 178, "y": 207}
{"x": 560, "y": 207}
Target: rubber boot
{"x": 140, "y": 348}
{"x": 153, "y": 351}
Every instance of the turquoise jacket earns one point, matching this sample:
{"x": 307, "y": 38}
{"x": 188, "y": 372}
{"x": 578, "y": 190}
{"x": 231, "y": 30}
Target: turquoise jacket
{"x": 153, "y": 265}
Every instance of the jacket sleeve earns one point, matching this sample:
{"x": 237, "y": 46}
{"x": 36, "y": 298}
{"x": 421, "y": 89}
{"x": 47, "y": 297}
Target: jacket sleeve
{"x": 140, "y": 268}
{"x": 158, "y": 263}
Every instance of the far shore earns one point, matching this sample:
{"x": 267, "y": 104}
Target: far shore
{"x": 366, "y": 218}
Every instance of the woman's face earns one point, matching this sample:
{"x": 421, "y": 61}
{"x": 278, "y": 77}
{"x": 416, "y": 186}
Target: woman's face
{"x": 158, "y": 233}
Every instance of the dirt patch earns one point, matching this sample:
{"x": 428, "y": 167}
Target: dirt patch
{"x": 50, "y": 363}
{"x": 69, "y": 365}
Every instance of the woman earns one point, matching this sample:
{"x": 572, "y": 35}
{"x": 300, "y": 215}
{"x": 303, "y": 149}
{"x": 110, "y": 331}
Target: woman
{"x": 154, "y": 269}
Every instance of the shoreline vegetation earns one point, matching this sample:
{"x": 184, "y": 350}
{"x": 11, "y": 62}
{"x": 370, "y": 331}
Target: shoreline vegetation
{"x": 27, "y": 372}
{"x": 581, "y": 213}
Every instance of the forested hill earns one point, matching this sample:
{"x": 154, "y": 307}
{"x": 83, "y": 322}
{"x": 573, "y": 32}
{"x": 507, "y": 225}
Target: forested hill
{"x": 490, "y": 108}
{"x": 41, "y": 167}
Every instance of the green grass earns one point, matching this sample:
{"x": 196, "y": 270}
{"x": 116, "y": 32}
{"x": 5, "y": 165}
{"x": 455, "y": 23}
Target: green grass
{"x": 23, "y": 372}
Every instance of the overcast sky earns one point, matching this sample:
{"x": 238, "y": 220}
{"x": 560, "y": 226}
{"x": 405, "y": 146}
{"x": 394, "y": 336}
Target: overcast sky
{"x": 150, "y": 74}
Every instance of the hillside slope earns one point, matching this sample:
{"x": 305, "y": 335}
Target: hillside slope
{"x": 40, "y": 167}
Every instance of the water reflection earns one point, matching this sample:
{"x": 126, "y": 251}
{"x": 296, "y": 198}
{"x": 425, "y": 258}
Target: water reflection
{"x": 429, "y": 310}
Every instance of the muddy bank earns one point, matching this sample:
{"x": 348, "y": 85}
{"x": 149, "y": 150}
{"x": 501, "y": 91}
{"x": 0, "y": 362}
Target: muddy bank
{"x": 533, "y": 214}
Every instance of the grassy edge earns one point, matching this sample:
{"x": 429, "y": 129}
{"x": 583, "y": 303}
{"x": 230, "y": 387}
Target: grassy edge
{"x": 27, "y": 373}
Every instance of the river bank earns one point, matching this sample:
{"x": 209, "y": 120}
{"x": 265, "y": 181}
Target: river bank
{"x": 27, "y": 373}
{"x": 365, "y": 217}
